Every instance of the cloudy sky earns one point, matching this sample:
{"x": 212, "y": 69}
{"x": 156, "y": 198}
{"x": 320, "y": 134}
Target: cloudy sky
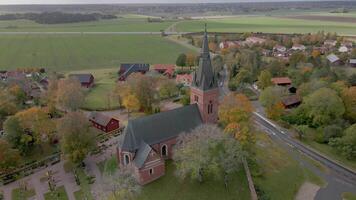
{"x": 121, "y": 1}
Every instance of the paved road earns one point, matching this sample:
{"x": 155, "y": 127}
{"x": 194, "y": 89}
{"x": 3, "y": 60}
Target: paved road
{"x": 339, "y": 178}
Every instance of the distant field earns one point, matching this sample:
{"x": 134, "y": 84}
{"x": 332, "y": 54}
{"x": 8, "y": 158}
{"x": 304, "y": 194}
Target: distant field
{"x": 76, "y": 52}
{"x": 268, "y": 25}
{"x": 127, "y": 24}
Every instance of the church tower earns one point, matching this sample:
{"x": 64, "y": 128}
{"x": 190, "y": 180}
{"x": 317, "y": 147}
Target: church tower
{"x": 204, "y": 89}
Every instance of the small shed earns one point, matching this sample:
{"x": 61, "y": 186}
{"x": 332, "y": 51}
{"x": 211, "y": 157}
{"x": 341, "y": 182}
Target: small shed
{"x": 86, "y": 80}
{"x": 104, "y": 122}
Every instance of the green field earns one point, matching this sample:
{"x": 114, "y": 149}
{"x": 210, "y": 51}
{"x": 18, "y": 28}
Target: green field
{"x": 169, "y": 187}
{"x": 282, "y": 175}
{"x": 129, "y": 24}
{"x": 267, "y": 25}
{"x": 76, "y": 52}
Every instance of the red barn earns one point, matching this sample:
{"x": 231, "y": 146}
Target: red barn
{"x": 103, "y": 122}
{"x": 86, "y": 80}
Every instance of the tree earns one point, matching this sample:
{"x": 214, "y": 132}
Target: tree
{"x": 50, "y": 96}
{"x": 349, "y": 98}
{"x": 347, "y": 144}
{"x": 16, "y": 135}
{"x": 167, "y": 88}
{"x": 37, "y": 122}
{"x": 323, "y": 106}
{"x": 70, "y": 94}
{"x": 244, "y": 76}
{"x": 271, "y": 99}
{"x": 206, "y": 150}
{"x": 212, "y": 46}
{"x": 9, "y": 157}
{"x": 8, "y": 104}
{"x": 218, "y": 63}
{"x": 17, "y": 92}
{"x": 235, "y": 108}
{"x": 264, "y": 80}
{"x": 131, "y": 103}
{"x": 295, "y": 58}
{"x": 190, "y": 60}
{"x": 120, "y": 185}
{"x": 181, "y": 60}
{"x": 352, "y": 80}
{"x": 77, "y": 139}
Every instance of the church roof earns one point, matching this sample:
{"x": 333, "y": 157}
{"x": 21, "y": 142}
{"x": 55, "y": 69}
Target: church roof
{"x": 204, "y": 78}
{"x": 160, "y": 127}
{"x": 142, "y": 154}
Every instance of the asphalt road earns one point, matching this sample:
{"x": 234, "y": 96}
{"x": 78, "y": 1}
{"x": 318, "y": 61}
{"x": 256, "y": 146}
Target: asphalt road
{"x": 339, "y": 178}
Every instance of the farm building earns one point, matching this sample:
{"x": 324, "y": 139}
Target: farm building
{"x": 103, "y": 122}
{"x": 352, "y": 62}
{"x": 230, "y": 44}
{"x": 129, "y": 68}
{"x": 149, "y": 141}
{"x": 330, "y": 43}
{"x": 334, "y": 59}
{"x": 281, "y": 81}
{"x": 291, "y": 101}
{"x": 343, "y": 49}
{"x": 255, "y": 40}
{"x": 86, "y": 80}
{"x": 280, "y": 48}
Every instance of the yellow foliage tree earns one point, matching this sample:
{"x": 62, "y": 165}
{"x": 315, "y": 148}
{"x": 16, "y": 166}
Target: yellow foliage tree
{"x": 131, "y": 103}
{"x": 275, "y": 111}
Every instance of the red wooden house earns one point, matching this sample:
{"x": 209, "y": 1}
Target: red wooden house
{"x": 103, "y": 122}
{"x": 86, "y": 80}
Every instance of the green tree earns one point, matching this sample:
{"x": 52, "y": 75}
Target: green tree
{"x": 9, "y": 157}
{"x": 181, "y": 60}
{"x": 243, "y": 77}
{"x": 352, "y": 80}
{"x": 349, "y": 98}
{"x": 16, "y": 135}
{"x": 264, "y": 80}
{"x": 296, "y": 58}
{"x": 323, "y": 106}
{"x": 271, "y": 99}
{"x": 347, "y": 144}
{"x": 77, "y": 138}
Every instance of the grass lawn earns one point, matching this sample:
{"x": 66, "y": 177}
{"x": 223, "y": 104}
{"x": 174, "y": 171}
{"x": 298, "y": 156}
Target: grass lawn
{"x": 78, "y": 52}
{"x": 266, "y": 24}
{"x": 59, "y": 194}
{"x": 282, "y": 175}
{"x": 17, "y": 194}
{"x": 169, "y": 187}
{"x": 126, "y": 24}
{"x": 84, "y": 192}
{"x": 349, "y": 196}
{"x": 108, "y": 166}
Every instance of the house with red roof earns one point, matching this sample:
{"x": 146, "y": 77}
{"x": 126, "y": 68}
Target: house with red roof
{"x": 185, "y": 79}
{"x": 281, "y": 81}
{"x": 165, "y": 69}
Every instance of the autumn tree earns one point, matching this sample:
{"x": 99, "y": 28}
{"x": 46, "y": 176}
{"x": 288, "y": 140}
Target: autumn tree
{"x": 50, "y": 96}
{"x": 131, "y": 103}
{"x": 271, "y": 99}
{"x": 167, "y": 88}
{"x": 218, "y": 63}
{"x": 264, "y": 79}
{"x": 36, "y": 120}
{"x": 190, "y": 60}
{"x": 349, "y": 98}
{"x": 8, "y": 104}
{"x": 296, "y": 58}
{"x": 9, "y": 157}
{"x": 213, "y": 46}
{"x": 70, "y": 94}
{"x": 77, "y": 139}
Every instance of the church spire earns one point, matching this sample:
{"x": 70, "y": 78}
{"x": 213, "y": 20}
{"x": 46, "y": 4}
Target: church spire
{"x": 204, "y": 78}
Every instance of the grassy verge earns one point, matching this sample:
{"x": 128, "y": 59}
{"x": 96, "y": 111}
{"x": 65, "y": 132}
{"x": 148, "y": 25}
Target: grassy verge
{"x": 329, "y": 151}
{"x": 84, "y": 192}
{"x": 281, "y": 176}
{"x": 59, "y": 194}
{"x": 349, "y": 196}
{"x": 170, "y": 187}
{"x": 18, "y": 194}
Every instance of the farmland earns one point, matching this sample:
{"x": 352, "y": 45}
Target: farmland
{"x": 267, "y": 24}
{"x": 76, "y": 52}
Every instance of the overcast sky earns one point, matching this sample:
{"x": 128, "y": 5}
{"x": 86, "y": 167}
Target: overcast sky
{"x": 122, "y": 1}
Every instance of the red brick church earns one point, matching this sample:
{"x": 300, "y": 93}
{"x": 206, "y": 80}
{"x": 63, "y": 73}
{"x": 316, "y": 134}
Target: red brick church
{"x": 149, "y": 141}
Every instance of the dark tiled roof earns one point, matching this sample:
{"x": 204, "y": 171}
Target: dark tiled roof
{"x": 159, "y": 127}
{"x": 127, "y": 69}
{"x": 83, "y": 78}
{"x": 291, "y": 100}
{"x": 204, "y": 78}
{"x": 100, "y": 118}
{"x": 142, "y": 154}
